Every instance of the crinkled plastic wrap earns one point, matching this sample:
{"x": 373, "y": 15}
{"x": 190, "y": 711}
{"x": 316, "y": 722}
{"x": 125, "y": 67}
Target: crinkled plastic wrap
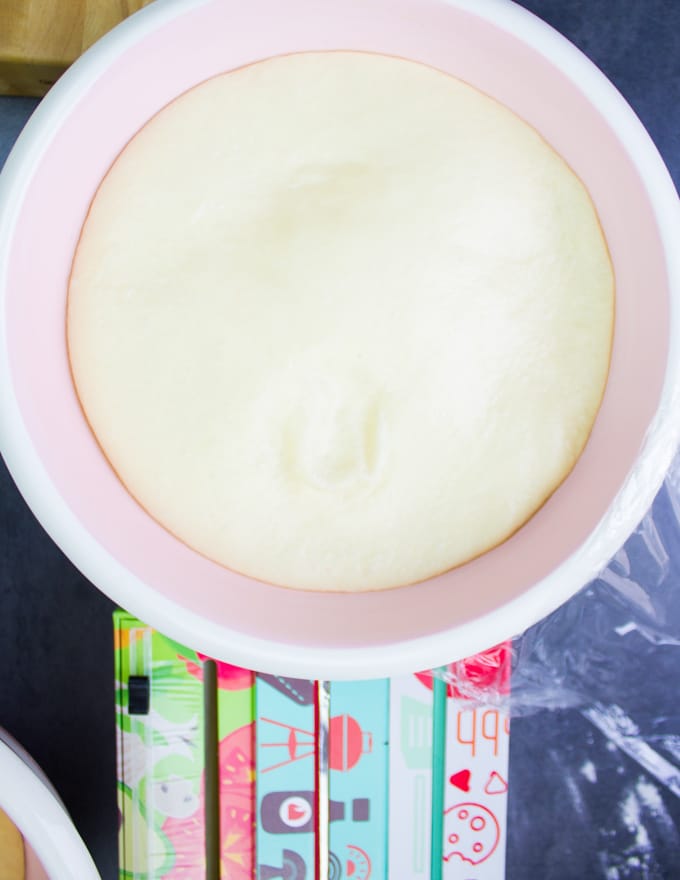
{"x": 573, "y": 657}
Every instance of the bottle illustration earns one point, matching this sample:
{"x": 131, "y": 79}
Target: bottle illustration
{"x": 293, "y": 812}
{"x": 293, "y": 868}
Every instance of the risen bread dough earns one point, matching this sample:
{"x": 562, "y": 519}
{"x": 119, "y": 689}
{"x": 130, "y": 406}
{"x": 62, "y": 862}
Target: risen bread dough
{"x": 339, "y": 321}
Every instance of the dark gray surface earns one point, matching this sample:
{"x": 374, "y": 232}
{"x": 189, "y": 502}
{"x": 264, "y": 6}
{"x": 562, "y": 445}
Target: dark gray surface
{"x": 563, "y": 825}
{"x": 56, "y": 693}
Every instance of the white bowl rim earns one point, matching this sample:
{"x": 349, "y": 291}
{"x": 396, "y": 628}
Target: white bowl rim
{"x": 35, "y": 809}
{"x": 406, "y": 656}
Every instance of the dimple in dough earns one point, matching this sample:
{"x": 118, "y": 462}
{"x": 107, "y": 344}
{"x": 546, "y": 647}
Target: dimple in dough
{"x": 340, "y": 321}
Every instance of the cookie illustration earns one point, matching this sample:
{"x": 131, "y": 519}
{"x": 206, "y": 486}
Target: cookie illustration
{"x": 471, "y": 832}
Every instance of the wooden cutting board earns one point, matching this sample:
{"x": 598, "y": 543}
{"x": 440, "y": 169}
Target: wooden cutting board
{"x": 40, "y": 38}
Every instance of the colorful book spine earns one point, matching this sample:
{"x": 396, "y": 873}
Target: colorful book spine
{"x": 160, "y": 699}
{"x": 236, "y": 767}
{"x": 217, "y": 772}
{"x": 286, "y": 778}
{"x": 476, "y": 767}
{"x": 410, "y": 776}
{"x": 358, "y": 759}
{"x": 161, "y": 760}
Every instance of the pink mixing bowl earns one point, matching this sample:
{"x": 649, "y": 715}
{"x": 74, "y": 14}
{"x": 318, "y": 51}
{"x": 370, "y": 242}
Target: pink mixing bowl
{"x": 47, "y": 185}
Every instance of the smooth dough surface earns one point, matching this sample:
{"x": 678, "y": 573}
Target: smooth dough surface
{"x": 11, "y": 850}
{"x": 339, "y": 321}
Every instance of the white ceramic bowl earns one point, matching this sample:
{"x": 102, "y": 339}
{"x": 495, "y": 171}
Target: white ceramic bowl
{"x": 53, "y": 847}
{"x": 46, "y": 187}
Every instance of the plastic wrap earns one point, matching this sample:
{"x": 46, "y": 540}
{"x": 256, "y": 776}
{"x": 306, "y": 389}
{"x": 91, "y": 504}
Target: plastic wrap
{"x": 574, "y": 656}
